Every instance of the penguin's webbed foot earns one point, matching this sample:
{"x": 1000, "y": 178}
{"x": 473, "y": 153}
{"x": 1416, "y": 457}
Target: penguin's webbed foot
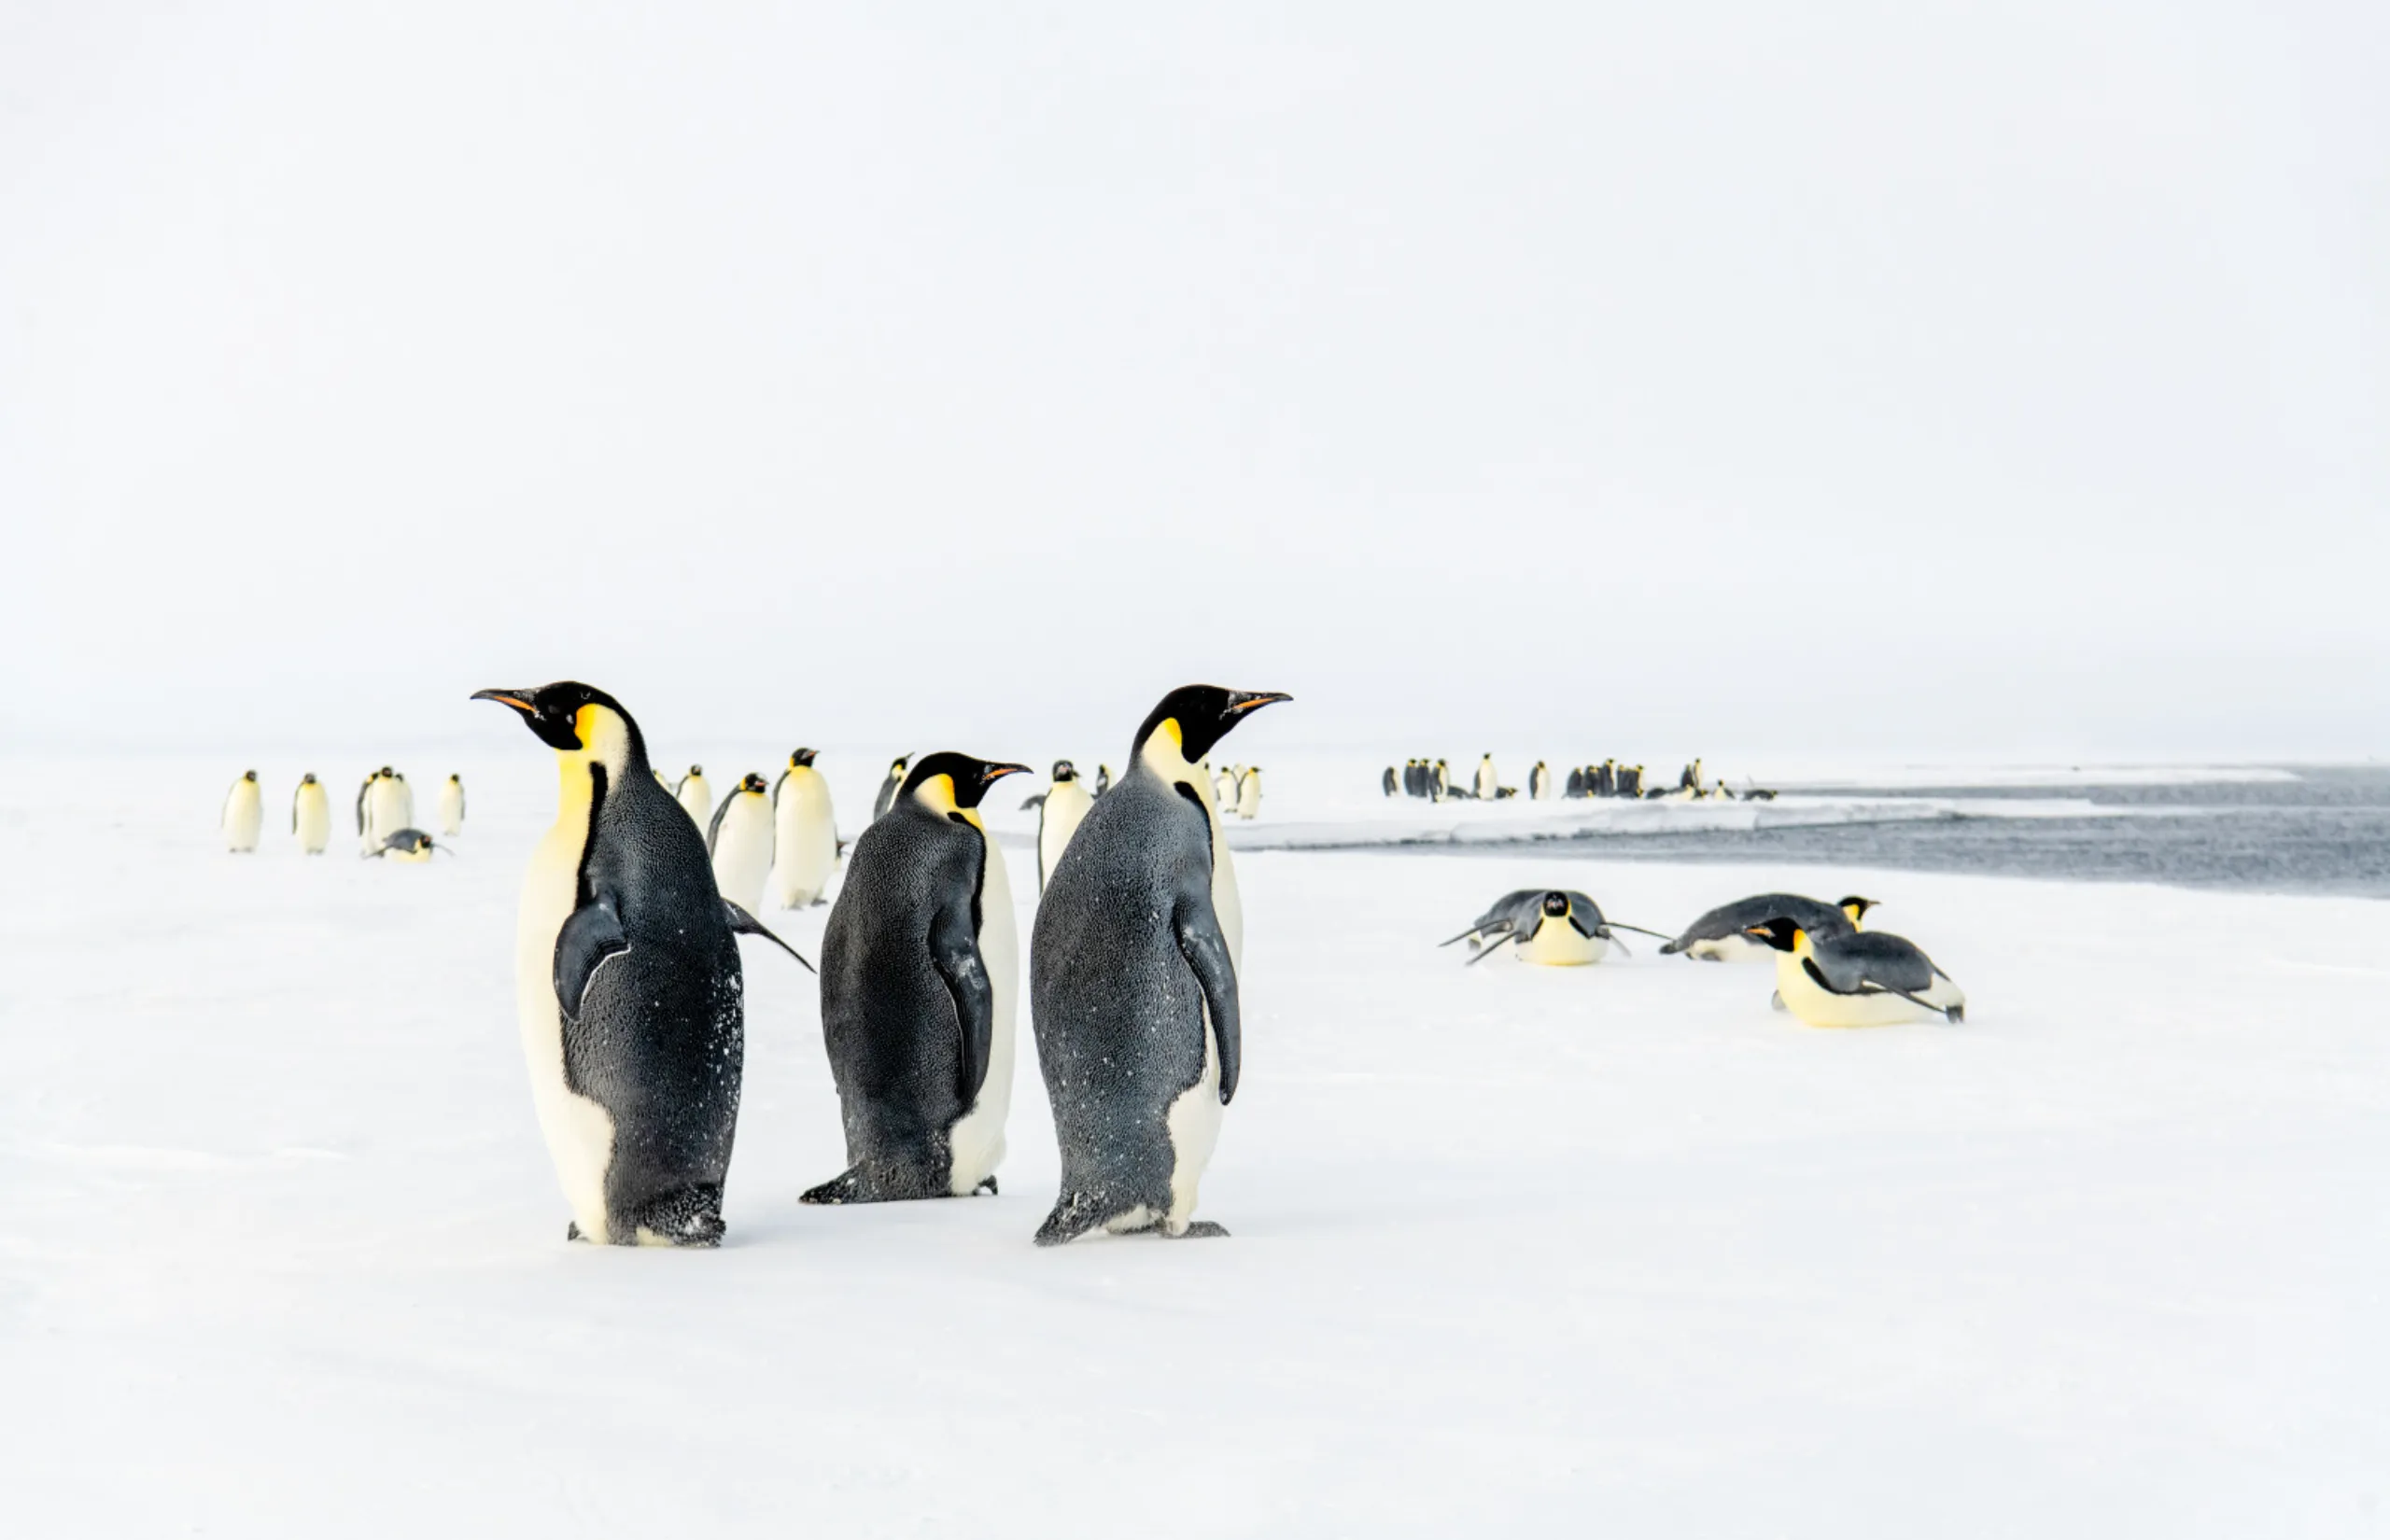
{"x": 987, "y": 1185}
{"x": 1200, "y": 1229}
{"x": 841, "y": 1188}
{"x": 573, "y": 1229}
{"x": 691, "y": 1217}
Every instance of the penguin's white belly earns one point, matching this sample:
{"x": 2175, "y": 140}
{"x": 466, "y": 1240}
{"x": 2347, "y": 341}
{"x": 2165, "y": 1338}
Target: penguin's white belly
{"x": 805, "y": 840}
{"x": 314, "y": 822}
{"x": 580, "y": 1132}
{"x": 1557, "y": 944}
{"x": 389, "y": 810}
{"x": 1817, "y": 1006}
{"x": 742, "y": 850}
{"x": 244, "y": 815}
{"x": 1066, "y": 803}
{"x": 696, "y": 800}
{"x": 1249, "y": 798}
{"x": 978, "y": 1138}
{"x": 452, "y": 810}
{"x": 1226, "y": 904}
{"x": 1194, "y": 1124}
{"x": 1737, "y": 949}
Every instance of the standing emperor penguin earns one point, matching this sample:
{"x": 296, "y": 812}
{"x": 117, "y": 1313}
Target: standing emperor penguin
{"x": 243, "y": 814}
{"x": 694, "y": 795}
{"x": 628, "y": 986}
{"x": 740, "y": 840}
{"x": 1103, "y": 779}
{"x": 805, "y": 833}
{"x": 1248, "y": 794}
{"x": 1388, "y": 783}
{"x": 452, "y": 806}
{"x": 1134, "y": 982}
{"x": 921, "y": 971}
{"x": 1057, "y": 819}
{"x": 1539, "y": 783}
{"x": 310, "y": 814}
{"x": 1224, "y": 789}
{"x": 1487, "y": 782}
{"x": 384, "y": 806}
{"x": 889, "y": 786}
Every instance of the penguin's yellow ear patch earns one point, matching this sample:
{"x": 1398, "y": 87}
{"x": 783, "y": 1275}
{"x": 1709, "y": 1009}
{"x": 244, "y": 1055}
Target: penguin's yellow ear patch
{"x": 1178, "y": 738}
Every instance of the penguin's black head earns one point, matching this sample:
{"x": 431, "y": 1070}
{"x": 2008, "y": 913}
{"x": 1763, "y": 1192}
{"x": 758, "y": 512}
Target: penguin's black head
{"x": 1062, "y": 771}
{"x": 802, "y": 756}
{"x": 1855, "y": 906}
{"x": 970, "y": 778}
{"x": 697, "y": 769}
{"x": 753, "y": 782}
{"x": 1556, "y": 903}
{"x": 1779, "y": 932}
{"x": 552, "y": 711}
{"x": 385, "y": 770}
{"x": 307, "y": 779}
{"x": 1204, "y": 714}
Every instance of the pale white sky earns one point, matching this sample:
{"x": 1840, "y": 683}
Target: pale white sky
{"x": 1970, "y": 379}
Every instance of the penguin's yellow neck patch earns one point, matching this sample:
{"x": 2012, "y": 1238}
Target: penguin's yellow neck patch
{"x": 937, "y": 794}
{"x": 1165, "y": 751}
{"x": 605, "y": 739}
{"x": 1800, "y": 943}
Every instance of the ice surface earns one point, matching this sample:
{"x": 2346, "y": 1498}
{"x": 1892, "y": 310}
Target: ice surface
{"x": 1608, "y": 1250}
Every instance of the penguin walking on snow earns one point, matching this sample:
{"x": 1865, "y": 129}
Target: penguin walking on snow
{"x": 739, "y": 839}
{"x": 920, "y": 968}
{"x": 1539, "y": 783}
{"x": 628, "y": 986}
{"x": 310, "y": 814}
{"x": 1248, "y": 794}
{"x": 1487, "y": 782}
{"x": 1134, "y": 982}
{"x": 805, "y": 833}
{"x": 1059, "y": 813}
{"x": 452, "y": 806}
{"x": 694, "y": 795}
{"x": 1386, "y": 783}
{"x": 243, "y": 814}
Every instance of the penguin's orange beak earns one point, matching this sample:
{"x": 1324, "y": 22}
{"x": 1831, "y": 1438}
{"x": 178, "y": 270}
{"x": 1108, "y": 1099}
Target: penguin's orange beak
{"x": 515, "y": 699}
{"x": 1251, "y": 700}
{"x": 995, "y": 772}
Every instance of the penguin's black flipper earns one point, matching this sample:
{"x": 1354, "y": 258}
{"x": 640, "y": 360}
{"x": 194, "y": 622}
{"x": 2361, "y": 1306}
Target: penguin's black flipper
{"x": 744, "y": 924}
{"x": 593, "y": 933}
{"x": 954, "y": 951}
{"x": 713, "y": 830}
{"x": 1621, "y": 925}
{"x": 1491, "y": 949}
{"x": 1037, "y": 801}
{"x": 1207, "y": 952}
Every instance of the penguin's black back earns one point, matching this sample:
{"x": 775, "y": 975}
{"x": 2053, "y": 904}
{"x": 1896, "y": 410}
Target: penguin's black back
{"x": 888, "y": 1017}
{"x": 661, "y": 1039}
{"x": 1118, "y": 1009}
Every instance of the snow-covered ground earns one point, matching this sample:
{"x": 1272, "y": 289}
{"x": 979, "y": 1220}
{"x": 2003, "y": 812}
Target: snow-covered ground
{"x": 1608, "y": 1250}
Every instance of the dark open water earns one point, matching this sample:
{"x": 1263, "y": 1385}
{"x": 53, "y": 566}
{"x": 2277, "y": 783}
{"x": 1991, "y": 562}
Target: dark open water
{"x": 2327, "y": 832}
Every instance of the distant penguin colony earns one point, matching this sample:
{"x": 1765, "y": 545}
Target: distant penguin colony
{"x": 1430, "y": 778}
{"x": 919, "y": 973}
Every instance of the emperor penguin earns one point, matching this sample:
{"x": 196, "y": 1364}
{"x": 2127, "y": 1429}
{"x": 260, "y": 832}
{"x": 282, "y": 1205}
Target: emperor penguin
{"x": 411, "y": 847}
{"x": 1103, "y": 778}
{"x": 695, "y": 796}
{"x": 1386, "y": 783}
{"x": 1576, "y": 786}
{"x": 740, "y": 840}
{"x": 805, "y": 833}
{"x": 1539, "y": 783}
{"x": 627, "y": 985}
{"x": 1487, "y": 782}
{"x": 920, "y": 970}
{"x": 1438, "y": 781}
{"x": 243, "y": 814}
{"x": 1858, "y": 978}
{"x": 452, "y": 806}
{"x": 1555, "y": 927}
{"x": 1133, "y": 981}
{"x": 310, "y": 814}
{"x": 1224, "y": 789}
{"x": 1728, "y": 934}
{"x": 889, "y": 786}
{"x": 384, "y": 806}
{"x": 1057, "y": 819}
{"x": 1248, "y": 794}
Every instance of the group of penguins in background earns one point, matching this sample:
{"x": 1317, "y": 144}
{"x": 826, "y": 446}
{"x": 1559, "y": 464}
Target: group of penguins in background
{"x": 1829, "y": 970}
{"x": 384, "y": 816}
{"x": 631, "y": 1001}
{"x": 1432, "y": 779}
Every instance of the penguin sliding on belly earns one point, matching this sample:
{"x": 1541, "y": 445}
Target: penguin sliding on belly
{"x": 1858, "y": 978}
{"x": 1059, "y": 814}
{"x": 805, "y": 833}
{"x": 1555, "y": 927}
{"x": 1134, "y": 982}
{"x": 920, "y": 968}
{"x": 310, "y": 814}
{"x": 409, "y": 846}
{"x": 739, "y": 839}
{"x": 243, "y": 814}
{"x": 1726, "y": 934}
{"x": 627, "y": 985}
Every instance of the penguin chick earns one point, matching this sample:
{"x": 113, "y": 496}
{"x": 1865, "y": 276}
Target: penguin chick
{"x": 1133, "y": 981}
{"x": 920, "y": 971}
